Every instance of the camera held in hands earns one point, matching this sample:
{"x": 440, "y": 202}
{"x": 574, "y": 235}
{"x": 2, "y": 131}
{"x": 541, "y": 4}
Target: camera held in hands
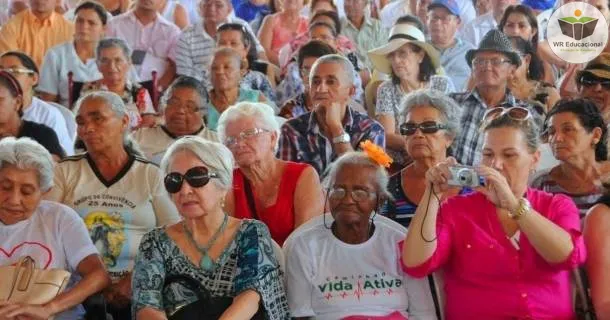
{"x": 464, "y": 176}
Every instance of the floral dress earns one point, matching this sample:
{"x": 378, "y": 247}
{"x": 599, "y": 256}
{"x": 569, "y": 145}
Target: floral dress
{"x": 247, "y": 263}
{"x": 389, "y": 102}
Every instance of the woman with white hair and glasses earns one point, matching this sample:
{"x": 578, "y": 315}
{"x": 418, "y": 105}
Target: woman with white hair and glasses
{"x": 346, "y": 264}
{"x": 429, "y": 122}
{"x": 506, "y": 251}
{"x": 282, "y": 194}
{"x": 50, "y": 233}
{"x": 114, "y": 189}
{"x": 209, "y": 265}
{"x": 181, "y": 107}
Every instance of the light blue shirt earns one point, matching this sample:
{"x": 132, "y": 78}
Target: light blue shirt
{"x": 453, "y": 60}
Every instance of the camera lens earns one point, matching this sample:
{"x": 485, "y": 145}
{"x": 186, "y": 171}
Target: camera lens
{"x": 465, "y": 176}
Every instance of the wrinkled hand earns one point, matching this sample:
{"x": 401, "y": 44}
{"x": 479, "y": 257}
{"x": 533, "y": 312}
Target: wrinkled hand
{"x": 439, "y": 175}
{"x": 497, "y": 189}
{"x": 18, "y": 311}
{"x": 332, "y": 115}
{"x": 119, "y": 294}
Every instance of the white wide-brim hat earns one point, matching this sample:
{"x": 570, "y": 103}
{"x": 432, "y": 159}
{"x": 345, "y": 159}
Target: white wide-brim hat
{"x": 400, "y": 35}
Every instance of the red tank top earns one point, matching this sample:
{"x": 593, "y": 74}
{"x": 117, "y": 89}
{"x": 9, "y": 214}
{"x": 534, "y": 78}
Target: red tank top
{"x": 278, "y": 217}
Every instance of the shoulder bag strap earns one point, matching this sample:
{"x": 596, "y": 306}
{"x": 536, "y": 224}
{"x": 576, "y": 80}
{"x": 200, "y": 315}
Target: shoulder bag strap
{"x": 250, "y": 198}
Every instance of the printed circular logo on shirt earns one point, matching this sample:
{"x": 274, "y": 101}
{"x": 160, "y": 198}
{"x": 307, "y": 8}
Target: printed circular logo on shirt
{"x": 577, "y": 32}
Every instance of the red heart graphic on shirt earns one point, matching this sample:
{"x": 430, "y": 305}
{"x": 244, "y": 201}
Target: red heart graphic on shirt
{"x": 41, "y": 253}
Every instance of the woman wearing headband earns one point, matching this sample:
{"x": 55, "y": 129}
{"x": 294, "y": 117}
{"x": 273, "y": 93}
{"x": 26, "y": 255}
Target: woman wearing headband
{"x": 506, "y": 251}
{"x": 231, "y": 259}
{"x": 11, "y": 123}
{"x": 346, "y": 264}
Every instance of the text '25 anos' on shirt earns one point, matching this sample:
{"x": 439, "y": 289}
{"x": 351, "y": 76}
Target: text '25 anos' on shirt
{"x": 486, "y": 276}
{"x": 118, "y": 212}
{"x": 55, "y": 237}
{"x": 328, "y": 279}
{"x": 302, "y": 141}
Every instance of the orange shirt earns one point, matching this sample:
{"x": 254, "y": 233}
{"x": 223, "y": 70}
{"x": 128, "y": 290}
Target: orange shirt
{"x": 24, "y": 32}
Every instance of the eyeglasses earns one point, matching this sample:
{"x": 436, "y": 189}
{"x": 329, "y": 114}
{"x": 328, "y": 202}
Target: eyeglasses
{"x": 594, "y": 81}
{"x": 196, "y": 177}
{"x": 244, "y": 135}
{"x": 427, "y": 127}
{"x": 495, "y": 62}
{"x": 15, "y": 71}
{"x": 357, "y": 195}
{"x": 187, "y": 107}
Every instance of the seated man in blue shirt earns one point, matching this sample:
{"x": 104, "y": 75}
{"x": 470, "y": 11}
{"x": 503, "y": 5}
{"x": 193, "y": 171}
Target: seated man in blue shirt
{"x": 332, "y": 128}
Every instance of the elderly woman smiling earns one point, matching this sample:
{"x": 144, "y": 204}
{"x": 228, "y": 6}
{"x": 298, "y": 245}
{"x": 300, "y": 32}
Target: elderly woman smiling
{"x": 230, "y": 258}
{"x": 181, "y": 105}
{"x": 430, "y": 123}
{"x": 52, "y": 234}
{"x": 506, "y": 251}
{"x": 346, "y": 264}
{"x": 282, "y": 194}
{"x": 116, "y": 191}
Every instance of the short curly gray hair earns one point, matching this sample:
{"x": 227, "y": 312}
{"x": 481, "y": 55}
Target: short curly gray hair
{"x": 213, "y": 155}
{"x": 359, "y": 158}
{"x": 449, "y": 109}
{"x": 25, "y": 153}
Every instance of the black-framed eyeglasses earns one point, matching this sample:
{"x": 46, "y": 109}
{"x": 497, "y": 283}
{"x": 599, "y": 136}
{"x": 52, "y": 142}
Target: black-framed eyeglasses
{"x": 591, "y": 81}
{"x": 196, "y": 177}
{"x": 427, "y": 127}
{"x": 357, "y": 195}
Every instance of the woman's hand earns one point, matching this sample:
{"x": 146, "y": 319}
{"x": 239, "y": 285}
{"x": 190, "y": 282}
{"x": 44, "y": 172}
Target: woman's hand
{"x": 496, "y": 189}
{"x": 119, "y": 294}
{"x": 439, "y": 175}
{"x": 24, "y": 311}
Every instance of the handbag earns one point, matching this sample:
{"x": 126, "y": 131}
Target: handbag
{"x": 24, "y": 283}
{"x": 206, "y": 307}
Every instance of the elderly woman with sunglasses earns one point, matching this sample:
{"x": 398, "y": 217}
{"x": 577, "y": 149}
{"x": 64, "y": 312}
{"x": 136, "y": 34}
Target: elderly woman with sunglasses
{"x": 231, "y": 259}
{"x": 577, "y": 135}
{"x": 282, "y": 194}
{"x": 114, "y": 189}
{"x": 506, "y": 251}
{"x": 181, "y": 106}
{"x": 430, "y": 122}
{"x": 346, "y": 264}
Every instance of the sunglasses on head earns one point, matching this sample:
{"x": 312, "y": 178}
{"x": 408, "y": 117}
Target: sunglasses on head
{"x": 427, "y": 127}
{"x": 515, "y": 113}
{"x": 196, "y": 177}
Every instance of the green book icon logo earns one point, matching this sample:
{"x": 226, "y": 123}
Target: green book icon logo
{"x": 577, "y": 27}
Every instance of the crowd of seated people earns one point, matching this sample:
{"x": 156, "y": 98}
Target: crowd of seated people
{"x": 332, "y": 159}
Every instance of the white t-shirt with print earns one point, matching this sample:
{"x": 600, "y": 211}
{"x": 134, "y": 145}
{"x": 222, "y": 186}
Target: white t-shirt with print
{"x": 155, "y": 141}
{"x": 117, "y": 213}
{"x": 55, "y": 237}
{"x": 329, "y": 279}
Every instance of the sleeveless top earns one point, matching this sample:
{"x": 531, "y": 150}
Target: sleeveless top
{"x": 282, "y": 36}
{"x": 213, "y": 115}
{"x": 402, "y": 209}
{"x": 279, "y": 217}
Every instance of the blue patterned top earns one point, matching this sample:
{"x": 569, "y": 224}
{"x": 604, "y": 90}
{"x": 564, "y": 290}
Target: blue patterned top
{"x": 213, "y": 115}
{"x": 248, "y": 262}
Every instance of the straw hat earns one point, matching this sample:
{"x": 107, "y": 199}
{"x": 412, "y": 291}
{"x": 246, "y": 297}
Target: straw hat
{"x": 598, "y": 67}
{"x": 400, "y": 35}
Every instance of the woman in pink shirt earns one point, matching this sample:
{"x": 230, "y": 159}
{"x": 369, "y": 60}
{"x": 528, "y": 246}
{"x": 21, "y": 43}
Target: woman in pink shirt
{"x": 506, "y": 251}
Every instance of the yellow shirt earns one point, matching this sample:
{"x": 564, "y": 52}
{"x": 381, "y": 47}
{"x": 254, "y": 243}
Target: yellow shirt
{"x": 24, "y": 32}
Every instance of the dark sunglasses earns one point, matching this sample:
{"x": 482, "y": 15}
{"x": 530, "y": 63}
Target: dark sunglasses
{"x": 589, "y": 81}
{"x": 196, "y": 177}
{"x": 427, "y": 127}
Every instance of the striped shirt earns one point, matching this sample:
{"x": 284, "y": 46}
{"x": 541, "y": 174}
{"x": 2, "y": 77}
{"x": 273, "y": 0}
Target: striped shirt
{"x": 583, "y": 201}
{"x": 469, "y": 141}
{"x": 195, "y": 50}
{"x": 302, "y": 141}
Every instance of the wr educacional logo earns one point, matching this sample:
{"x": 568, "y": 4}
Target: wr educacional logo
{"x": 577, "y": 27}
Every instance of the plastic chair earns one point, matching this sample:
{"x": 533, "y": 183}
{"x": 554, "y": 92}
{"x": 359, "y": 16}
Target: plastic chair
{"x": 68, "y": 117}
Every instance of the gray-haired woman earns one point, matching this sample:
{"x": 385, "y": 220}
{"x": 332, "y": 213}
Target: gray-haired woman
{"x": 429, "y": 123}
{"x": 181, "y": 106}
{"x": 113, "y": 57}
{"x": 282, "y": 194}
{"x": 232, "y": 259}
{"x": 51, "y": 233}
{"x": 112, "y": 187}
{"x": 346, "y": 265}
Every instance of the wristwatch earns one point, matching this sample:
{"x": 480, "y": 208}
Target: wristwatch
{"x": 524, "y": 207}
{"x": 342, "y": 138}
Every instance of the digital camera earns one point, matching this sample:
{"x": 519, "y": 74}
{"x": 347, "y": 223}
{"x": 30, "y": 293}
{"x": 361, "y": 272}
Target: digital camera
{"x": 464, "y": 176}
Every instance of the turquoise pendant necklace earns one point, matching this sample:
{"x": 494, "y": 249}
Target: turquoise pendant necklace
{"x": 206, "y": 262}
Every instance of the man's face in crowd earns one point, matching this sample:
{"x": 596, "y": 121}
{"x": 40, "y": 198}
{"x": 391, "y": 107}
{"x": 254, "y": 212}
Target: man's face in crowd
{"x": 491, "y": 69}
{"x": 215, "y": 11}
{"x": 597, "y": 90}
{"x": 442, "y": 25}
{"x": 354, "y": 9}
{"x": 330, "y": 83}
{"x": 42, "y": 6}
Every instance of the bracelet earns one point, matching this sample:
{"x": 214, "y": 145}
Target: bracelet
{"x": 524, "y": 207}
